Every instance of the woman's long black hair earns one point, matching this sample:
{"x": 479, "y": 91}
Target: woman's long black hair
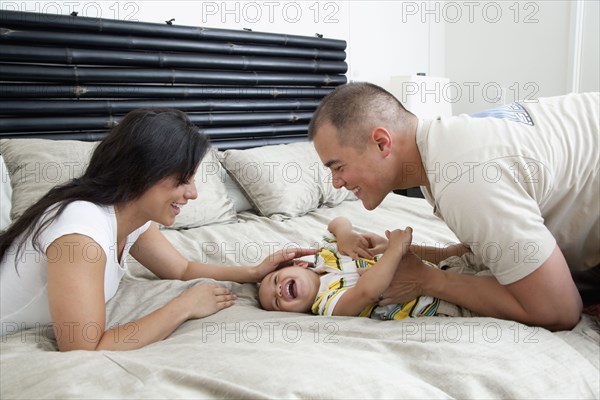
{"x": 146, "y": 147}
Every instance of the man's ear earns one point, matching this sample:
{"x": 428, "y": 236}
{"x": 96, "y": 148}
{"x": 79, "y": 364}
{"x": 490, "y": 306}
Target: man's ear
{"x": 382, "y": 138}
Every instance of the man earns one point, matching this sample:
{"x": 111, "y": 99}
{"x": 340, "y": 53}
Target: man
{"x": 519, "y": 187}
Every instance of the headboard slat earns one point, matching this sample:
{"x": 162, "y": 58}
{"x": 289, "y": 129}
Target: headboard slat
{"x": 68, "y": 77}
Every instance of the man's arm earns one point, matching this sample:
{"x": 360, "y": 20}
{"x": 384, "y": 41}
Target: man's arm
{"x": 435, "y": 254}
{"x": 547, "y": 297}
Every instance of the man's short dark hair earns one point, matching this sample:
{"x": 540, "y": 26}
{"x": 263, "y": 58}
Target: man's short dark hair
{"x": 354, "y": 109}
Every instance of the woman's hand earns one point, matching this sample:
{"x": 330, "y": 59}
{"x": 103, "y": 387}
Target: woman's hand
{"x": 272, "y": 261}
{"x": 203, "y": 299}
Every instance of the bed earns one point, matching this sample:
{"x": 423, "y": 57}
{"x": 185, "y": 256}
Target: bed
{"x": 252, "y": 202}
{"x": 261, "y": 188}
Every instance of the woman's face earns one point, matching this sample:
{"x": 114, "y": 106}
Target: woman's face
{"x": 163, "y": 201}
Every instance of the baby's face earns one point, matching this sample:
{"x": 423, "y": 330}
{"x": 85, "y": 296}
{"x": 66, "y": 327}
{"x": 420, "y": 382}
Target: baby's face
{"x": 292, "y": 289}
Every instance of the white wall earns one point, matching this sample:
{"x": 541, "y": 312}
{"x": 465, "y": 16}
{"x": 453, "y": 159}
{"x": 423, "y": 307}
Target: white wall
{"x": 379, "y": 43}
{"x": 521, "y": 47}
{"x": 590, "y": 48}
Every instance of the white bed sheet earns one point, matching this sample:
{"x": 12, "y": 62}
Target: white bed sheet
{"x": 246, "y": 352}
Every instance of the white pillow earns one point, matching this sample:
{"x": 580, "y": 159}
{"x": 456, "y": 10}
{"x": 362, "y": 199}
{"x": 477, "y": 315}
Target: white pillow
{"x": 5, "y": 194}
{"x": 37, "y": 165}
{"x": 213, "y": 205}
{"x": 283, "y": 180}
{"x": 235, "y": 193}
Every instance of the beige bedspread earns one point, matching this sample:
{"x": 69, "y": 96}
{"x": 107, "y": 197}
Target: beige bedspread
{"x": 245, "y": 352}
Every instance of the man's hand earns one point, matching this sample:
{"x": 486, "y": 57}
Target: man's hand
{"x": 407, "y": 282}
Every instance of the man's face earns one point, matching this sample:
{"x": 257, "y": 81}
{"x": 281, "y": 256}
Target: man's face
{"x": 359, "y": 172}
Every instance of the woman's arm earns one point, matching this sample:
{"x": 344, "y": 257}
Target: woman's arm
{"x": 376, "y": 279}
{"x": 77, "y": 306}
{"x": 155, "y": 252}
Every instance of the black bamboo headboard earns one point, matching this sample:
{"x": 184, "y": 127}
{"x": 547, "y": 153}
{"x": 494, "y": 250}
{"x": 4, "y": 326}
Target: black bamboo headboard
{"x": 70, "y": 77}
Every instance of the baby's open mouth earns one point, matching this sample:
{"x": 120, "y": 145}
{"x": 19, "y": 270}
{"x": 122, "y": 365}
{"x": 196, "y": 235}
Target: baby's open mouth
{"x": 291, "y": 290}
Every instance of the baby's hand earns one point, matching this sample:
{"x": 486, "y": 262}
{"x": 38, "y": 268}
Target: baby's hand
{"x": 400, "y": 238}
{"x": 377, "y": 244}
{"x": 354, "y": 245}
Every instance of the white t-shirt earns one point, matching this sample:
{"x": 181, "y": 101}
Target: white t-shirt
{"x": 515, "y": 181}
{"x": 23, "y": 290}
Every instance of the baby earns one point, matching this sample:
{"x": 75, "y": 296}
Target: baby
{"x": 332, "y": 284}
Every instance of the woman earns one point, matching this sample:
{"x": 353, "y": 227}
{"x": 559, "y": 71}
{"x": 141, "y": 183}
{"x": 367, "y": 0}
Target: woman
{"x": 62, "y": 260}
